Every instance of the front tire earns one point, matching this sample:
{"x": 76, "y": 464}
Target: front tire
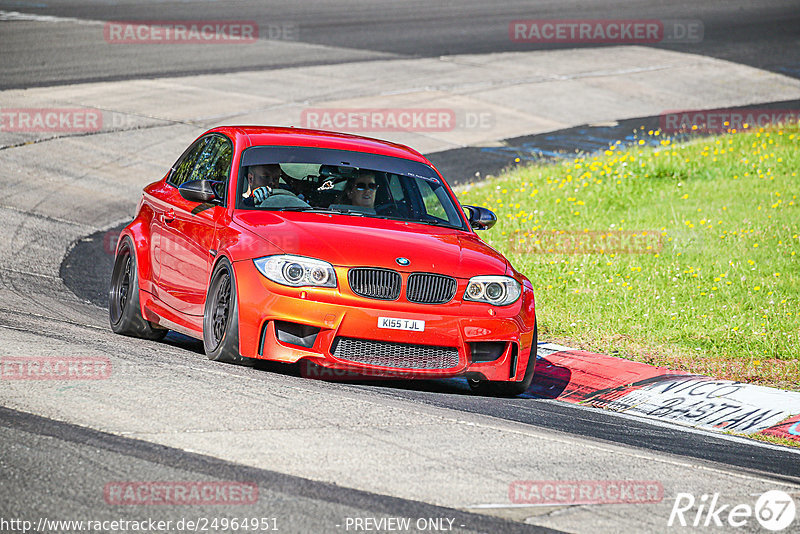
{"x": 124, "y": 310}
{"x": 489, "y": 388}
{"x": 221, "y": 317}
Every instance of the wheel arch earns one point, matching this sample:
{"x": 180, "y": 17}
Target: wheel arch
{"x": 219, "y": 258}
{"x": 225, "y": 355}
{"x": 139, "y": 233}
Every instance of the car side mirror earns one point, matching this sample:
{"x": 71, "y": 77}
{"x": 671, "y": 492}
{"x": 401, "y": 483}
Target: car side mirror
{"x": 199, "y": 191}
{"x": 481, "y": 218}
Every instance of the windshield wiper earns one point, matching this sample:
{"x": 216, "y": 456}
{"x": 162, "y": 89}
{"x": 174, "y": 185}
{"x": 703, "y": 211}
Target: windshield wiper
{"x": 337, "y": 211}
{"x": 345, "y": 211}
{"x": 435, "y": 223}
{"x": 443, "y": 224}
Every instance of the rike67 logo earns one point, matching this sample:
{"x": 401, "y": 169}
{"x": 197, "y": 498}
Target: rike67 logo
{"x": 774, "y": 510}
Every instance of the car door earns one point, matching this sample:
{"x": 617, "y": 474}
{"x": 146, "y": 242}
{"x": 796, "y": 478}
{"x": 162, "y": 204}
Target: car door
{"x": 161, "y": 204}
{"x": 187, "y": 231}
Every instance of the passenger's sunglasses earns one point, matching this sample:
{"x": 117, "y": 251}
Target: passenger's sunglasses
{"x": 361, "y": 186}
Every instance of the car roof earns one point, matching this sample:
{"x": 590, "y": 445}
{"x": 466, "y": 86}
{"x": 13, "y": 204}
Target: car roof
{"x": 283, "y": 136}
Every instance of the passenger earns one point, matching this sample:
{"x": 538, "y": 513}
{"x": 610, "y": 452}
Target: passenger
{"x": 360, "y": 189}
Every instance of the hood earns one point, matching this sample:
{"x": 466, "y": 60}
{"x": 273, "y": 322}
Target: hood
{"x": 353, "y": 241}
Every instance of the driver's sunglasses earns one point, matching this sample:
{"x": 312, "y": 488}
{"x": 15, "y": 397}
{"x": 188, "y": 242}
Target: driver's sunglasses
{"x": 361, "y": 186}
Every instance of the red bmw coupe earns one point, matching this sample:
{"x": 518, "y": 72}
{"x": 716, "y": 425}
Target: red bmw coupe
{"x": 343, "y": 252}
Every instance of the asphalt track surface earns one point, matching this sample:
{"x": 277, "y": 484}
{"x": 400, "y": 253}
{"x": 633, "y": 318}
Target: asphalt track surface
{"x": 36, "y": 450}
{"x": 761, "y": 34}
{"x": 40, "y": 454}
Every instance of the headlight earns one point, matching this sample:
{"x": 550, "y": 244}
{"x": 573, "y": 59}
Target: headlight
{"x": 497, "y": 290}
{"x": 297, "y": 271}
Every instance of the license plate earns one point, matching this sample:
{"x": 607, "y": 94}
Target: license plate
{"x": 413, "y": 325}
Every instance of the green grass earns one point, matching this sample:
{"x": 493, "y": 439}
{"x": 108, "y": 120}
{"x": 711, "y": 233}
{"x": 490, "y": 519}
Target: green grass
{"x": 717, "y": 290}
{"x": 774, "y": 440}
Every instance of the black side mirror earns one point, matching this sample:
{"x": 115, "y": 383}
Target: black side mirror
{"x": 480, "y": 218}
{"x": 199, "y": 191}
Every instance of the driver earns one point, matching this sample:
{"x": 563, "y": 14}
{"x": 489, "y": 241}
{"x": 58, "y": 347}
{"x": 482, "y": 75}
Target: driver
{"x": 264, "y": 190}
{"x": 261, "y": 180}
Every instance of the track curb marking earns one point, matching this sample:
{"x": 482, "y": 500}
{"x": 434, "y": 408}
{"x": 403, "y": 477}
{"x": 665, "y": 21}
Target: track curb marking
{"x": 635, "y": 388}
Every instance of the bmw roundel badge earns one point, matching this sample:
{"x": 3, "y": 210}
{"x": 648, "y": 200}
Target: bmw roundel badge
{"x": 405, "y": 262}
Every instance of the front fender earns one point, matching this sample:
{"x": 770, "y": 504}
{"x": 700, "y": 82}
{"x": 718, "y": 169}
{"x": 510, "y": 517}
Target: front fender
{"x": 138, "y": 231}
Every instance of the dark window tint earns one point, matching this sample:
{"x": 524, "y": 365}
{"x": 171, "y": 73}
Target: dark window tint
{"x": 209, "y": 159}
{"x": 186, "y": 165}
{"x": 214, "y": 162}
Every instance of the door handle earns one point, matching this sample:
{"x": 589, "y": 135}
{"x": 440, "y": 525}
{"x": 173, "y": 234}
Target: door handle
{"x": 169, "y": 216}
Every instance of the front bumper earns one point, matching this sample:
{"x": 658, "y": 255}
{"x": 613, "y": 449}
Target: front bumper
{"x": 334, "y": 318}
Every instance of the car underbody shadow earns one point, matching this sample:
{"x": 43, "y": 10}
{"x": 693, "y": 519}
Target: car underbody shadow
{"x": 549, "y": 380}
{"x": 175, "y": 339}
{"x": 456, "y": 386}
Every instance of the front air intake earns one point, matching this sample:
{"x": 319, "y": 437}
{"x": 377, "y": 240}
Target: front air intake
{"x": 394, "y": 355}
{"x": 426, "y": 288}
{"x": 372, "y": 283}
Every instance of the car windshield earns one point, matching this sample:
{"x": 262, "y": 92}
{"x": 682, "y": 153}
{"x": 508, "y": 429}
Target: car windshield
{"x": 375, "y": 186}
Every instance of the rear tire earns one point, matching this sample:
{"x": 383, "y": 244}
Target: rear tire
{"x": 124, "y": 310}
{"x": 221, "y": 317}
{"x": 489, "y": 388}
